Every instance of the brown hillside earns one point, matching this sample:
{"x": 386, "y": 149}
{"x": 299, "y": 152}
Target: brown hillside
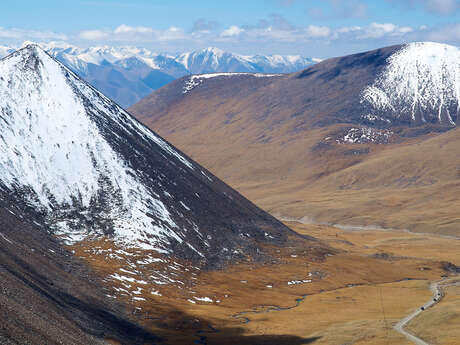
{"x": 279, "y": 141}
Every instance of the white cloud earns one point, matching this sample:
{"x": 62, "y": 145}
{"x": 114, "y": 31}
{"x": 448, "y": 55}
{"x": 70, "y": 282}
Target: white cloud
{"x": 124, "y": 29}
{"x": 15, "y": 33}
{"x": 172, "y": 33}
{"x": 265, "y": 35}
{"x": 405, "y": 29}
{"x": 124, "y": 33}
{"x": 93, "y": 35}
{"x": 348, "y": 29}
{"x": 314, "y": 31}
{"x": 379, "y": 30}
{"x": 232, "y": 31}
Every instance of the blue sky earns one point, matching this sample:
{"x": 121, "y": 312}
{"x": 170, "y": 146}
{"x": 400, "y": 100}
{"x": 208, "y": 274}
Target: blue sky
{"x": 320, "y": 28}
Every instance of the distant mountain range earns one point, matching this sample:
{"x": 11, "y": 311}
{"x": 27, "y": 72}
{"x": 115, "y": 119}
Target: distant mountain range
{"x": 127, "y": 74}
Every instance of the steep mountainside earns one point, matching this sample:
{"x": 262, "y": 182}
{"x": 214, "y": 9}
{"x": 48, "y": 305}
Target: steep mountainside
{"x": 304, "y": 144}
{"x": 97, "y": 212}
{"x": 127, "y": 74}
{"x": 49, "y": 297}
{"x": 76, "y": 163}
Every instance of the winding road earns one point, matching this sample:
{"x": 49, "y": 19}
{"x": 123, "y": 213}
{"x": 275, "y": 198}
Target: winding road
{"x": 435, "y": 287}
{"x": 399, "y": 327}
{"x": 438, "y": 294}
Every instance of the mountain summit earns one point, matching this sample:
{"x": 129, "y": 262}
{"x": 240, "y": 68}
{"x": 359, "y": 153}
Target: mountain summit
{"x": 74, "y": 162}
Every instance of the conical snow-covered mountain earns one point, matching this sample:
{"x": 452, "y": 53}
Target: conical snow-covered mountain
{"x": 127, "y": 74}
{"x": 420, "y": 83}
{"x": 74, "y": 162}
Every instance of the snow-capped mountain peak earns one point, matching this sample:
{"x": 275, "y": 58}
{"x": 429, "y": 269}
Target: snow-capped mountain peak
{"x": 85, "y": 168}
{"x": 213, "y": 51}
{"x": 421, "y": 79}
{"x": 53, "y": 148}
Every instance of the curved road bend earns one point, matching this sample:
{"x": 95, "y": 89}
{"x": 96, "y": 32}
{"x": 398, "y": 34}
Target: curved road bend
{"x": 435, "y": 288}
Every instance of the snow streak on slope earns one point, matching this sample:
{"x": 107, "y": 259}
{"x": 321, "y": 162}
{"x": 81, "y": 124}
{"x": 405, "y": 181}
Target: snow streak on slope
{"x": 422, "y": 80}
{"x": 196, "y": 80}
{"x": 52, "y": 151}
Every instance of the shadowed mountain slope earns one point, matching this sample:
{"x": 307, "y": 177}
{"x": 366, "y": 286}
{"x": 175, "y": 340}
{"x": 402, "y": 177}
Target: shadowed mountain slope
{"x": 50, "y": 297}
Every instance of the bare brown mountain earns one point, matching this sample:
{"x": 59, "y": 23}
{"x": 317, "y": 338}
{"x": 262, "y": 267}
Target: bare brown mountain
{"x": 366, "y": 139}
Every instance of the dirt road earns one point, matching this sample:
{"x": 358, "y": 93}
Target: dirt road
{"x": 438, "y": 294}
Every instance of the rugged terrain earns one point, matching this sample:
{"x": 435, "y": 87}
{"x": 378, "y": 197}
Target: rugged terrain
{"x": 110, "y": 235}
{"x": 85, "y": 168}
{"x": 50, "y": 297}
{"x": 365, "y": 139}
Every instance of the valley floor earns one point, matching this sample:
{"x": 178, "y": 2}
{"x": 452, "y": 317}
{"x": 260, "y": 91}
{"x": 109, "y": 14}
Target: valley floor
{"x": 355, "y": 296}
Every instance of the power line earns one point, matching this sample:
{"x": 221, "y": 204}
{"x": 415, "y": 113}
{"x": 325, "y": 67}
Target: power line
{"x": 384, "y": 316}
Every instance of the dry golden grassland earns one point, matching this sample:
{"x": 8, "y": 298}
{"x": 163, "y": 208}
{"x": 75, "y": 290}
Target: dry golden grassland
{"x": 291, "y": 168}
{"x": 355, "y": 296}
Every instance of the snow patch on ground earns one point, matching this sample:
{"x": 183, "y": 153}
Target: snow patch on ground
{"x": 203, "y": 299}
{"x": 5, "y": 238}
{"x": 375, "y": 118}
{"x": 295, "y": 282}
{"x": 363, "y": 135}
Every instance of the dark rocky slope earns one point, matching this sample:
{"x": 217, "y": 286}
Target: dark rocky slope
{"x": 49, "y": 297}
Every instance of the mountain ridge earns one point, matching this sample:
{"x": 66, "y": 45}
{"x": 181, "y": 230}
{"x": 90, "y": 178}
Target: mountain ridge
{"x": 127, "y": 74}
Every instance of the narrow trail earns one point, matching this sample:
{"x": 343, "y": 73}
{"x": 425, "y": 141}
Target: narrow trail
{"x": 436, "y": 289}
